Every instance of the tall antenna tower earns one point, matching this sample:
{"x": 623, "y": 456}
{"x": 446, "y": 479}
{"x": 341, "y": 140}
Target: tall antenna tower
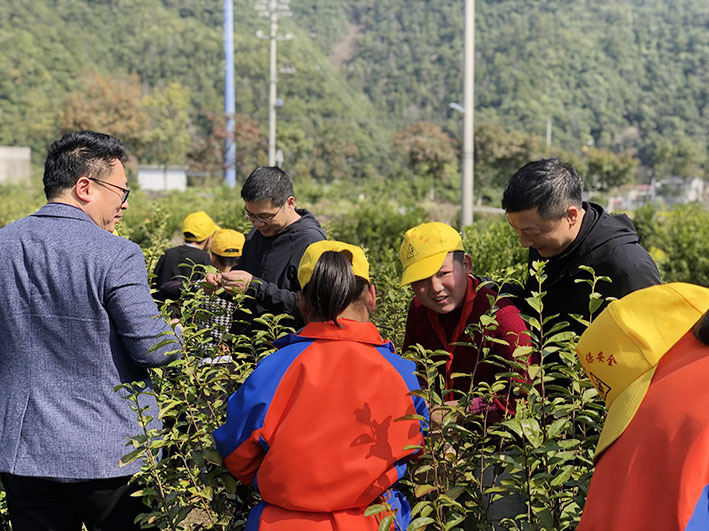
{"x": 273, "y": 9}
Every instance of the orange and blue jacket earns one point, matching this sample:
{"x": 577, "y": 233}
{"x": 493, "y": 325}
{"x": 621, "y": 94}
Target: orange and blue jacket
{"x": 314, "y": 428}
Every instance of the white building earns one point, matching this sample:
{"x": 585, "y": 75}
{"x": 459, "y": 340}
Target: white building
{"x": 668, "y": 190}
{"x": 162, "y": 178}
{"x": 14, "y": 164}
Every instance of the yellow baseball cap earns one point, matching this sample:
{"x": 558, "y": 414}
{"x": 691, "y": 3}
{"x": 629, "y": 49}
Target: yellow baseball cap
{"x": 227, "y": 242}
{"x": 425, "y": 248}
{"x": 199, "y": 225}
{"x": 621, "y": 348}
{"x": 360, "y": 266}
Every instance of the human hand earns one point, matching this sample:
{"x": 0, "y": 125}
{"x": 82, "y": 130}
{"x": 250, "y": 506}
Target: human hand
{"x": 437, "y": 413}
{"x": 478, "y": 405}
{"x": 215, "y": 279}
{"x": 481, "y": 405}
{"x": 236, "y": 278}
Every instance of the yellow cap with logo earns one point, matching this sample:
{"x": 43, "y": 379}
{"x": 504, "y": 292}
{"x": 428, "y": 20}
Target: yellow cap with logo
{"x": 355, "y": 255}
{"x": 621, "y": 348}
{"x": 198, "y": 226}
{"x": 227, "y": 242}
{"x": 425, "y": 248}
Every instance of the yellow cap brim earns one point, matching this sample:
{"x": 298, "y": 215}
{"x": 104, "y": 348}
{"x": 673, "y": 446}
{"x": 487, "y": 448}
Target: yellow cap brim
{"x": 622, "y": 411}
{"x": 424, "y": 268}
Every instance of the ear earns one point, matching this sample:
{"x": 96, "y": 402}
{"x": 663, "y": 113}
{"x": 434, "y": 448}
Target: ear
{"x": 572, "y": 215}
{"x": 82, "y": 189}
{"x": 290, "y": 202}
{"x": 468, "y": 264}
{"x": 371, "y": 302}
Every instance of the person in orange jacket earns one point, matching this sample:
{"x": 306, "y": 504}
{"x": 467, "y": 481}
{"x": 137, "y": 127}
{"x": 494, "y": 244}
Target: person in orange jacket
{"x": 317, "y": 427}
{"x": 652, "y": 458}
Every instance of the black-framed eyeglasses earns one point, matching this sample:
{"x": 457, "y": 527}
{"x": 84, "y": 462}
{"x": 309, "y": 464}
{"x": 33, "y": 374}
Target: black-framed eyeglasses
{"x": 263, "y": 218}
{"x": 125, "y": 191}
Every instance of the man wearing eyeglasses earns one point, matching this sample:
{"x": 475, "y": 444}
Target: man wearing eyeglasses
{"x": 268, "y": 267}
{"x": 79, "y": 321}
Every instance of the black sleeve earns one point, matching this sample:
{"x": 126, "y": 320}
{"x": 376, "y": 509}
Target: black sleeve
{"x": 157, "y": 272}
{"x": 637, "y": 271}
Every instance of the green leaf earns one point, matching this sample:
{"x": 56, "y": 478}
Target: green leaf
{"x": 385, "y": 524}
{"x": 418, "y": 523}
{"x": 454, "y": 492}
{"x": 212, "y": 456}
{"x": 422, "y": 490}
{"x": 128, "y": 459}
{"x": 374, "y": 509}
{"x": 532, "y": 431}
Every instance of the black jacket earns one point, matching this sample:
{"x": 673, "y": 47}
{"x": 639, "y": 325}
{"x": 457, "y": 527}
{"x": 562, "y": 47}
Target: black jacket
{"x": 168, "y": 267}
{"x": 608, "y": 244}
{"x": 273, "y": 262}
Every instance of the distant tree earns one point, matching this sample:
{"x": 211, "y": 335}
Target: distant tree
{"x": 606, "y": 170}
{"x": 167, "y": 140}
{"x": 333, "y": 148}
{"x": 109, "y": 105}
{"x": 207, "y": 152}
{"x": 681, "y": 156}
{"x": 498, "y": 154}
{"x": 427, "y": 147}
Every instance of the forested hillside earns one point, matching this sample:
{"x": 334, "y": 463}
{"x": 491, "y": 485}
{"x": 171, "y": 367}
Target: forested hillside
{"x": 622, "y": 73}
{"x": 627, "y": 77}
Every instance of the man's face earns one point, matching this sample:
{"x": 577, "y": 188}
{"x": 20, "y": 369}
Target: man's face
{"x": 444, "y": 291}
{"x": 270, "y": 219}
{"x": 105, "y": 207}
{"x": 548, "y": 236}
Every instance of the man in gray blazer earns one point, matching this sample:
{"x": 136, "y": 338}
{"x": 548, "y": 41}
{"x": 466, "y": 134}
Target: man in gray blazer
{"x": 78, "y": 321}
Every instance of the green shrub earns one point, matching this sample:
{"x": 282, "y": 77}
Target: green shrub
{"x": 376, "y": 226}
{"x": 679, "y": 242}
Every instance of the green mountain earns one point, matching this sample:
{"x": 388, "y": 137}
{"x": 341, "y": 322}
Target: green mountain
{"x": 618, "y": 74}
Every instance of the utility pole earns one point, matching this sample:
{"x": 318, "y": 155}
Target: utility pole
{"x": 229, "y": 90}
{"x": 273, "y": 9}
{"x": 466, "y": 217}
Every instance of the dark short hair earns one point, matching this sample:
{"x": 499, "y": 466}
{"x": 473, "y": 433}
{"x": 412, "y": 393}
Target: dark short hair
{"x": 225, "y": 261}
{"x": 333, "y": 286}
{"x": 267, "y": 183}
{"x": 80, "y": 154}
{"x": 548, "y": 185}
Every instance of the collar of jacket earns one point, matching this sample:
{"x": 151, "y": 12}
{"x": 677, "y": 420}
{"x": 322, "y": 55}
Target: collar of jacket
{"x": 348, "y": 330}
{"x": 63, "y": 210}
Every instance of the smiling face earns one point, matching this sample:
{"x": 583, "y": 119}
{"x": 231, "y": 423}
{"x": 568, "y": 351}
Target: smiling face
{"x": 549, "y": 237}
{"x": 105, "y": 206}
{"x": 444, "y": 291}
{"x": 271, "y": 219}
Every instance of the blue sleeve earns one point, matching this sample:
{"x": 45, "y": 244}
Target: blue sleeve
{"x": 700, "y": 516}
{"x": 406, "y": 369}
{"x": 133, "y": 312}
{"x": 247, "y": 408}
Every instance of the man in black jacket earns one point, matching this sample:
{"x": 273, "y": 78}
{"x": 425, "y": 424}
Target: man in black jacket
{"x": 544, "y": 206}
{"x": 268, "y": 268}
